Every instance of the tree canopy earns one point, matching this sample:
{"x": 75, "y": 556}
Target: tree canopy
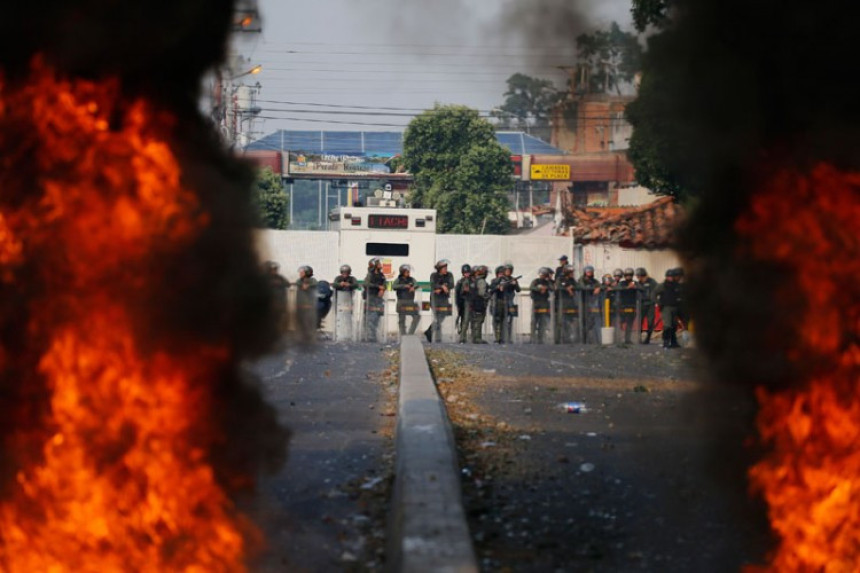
{"x": 271, "y": 200}
{"x": 529, "y": 100}
{"x": 460, "y": 170}
{"x": 611, "y": 57}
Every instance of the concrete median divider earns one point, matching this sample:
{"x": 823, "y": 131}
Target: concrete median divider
{"x": 427, "y": 528}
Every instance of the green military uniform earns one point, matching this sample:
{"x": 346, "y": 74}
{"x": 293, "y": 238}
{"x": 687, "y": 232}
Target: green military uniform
{"x": 479, "y": 305}
{"x": 374, "y": 293}
{"x": 404, "y": 286}
{"x": 539, "y": 291}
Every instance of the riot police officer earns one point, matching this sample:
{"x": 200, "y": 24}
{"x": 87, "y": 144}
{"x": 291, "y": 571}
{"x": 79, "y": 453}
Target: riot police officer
{"x": 568, "y": 298}
{"x": 539, "y": 291}
{"x": 404, "y": 287}
{"x": 627, "y": 292}
{"x": 480, "y": 293}
{"x": 306, "y": 299}
{"x": 345, "y": 281}
{"x": 668, "y": 297}
{"x": 590, "y": 288}
{"x": 462, "y": 298}
{"x": 441, "y": 283}
{"x": 647, "y": 293}
{"x": 374, "y": 293}
{"x": 504, "y": 289}
{"x": 278, "y": 284}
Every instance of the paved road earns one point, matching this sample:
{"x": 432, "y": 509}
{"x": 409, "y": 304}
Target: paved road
{"x": 643, "y": 480}
{"x": 324, "y": 510}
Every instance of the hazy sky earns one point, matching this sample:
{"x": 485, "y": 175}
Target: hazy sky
{"x": 372, "y": 64}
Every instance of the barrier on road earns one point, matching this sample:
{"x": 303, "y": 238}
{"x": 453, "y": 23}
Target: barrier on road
{"x": 427, "y": 528}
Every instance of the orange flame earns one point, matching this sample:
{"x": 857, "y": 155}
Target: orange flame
{"x": 122, "y": 478}
{"x": 808, "y": 223}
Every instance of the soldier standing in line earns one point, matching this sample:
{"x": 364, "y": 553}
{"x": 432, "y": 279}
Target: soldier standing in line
{"x": 462, "y": 298}
{"x": 568, "y": 304}
{"x": 559, "y": 273}
{"x": 306, "y": 299}
{"x": 345, "y": 281}
{"x": 279, "y": 286}
{"x": 479, "y": 304}
{"x": 590, "y": 288}
{"x": 405, "y": 286}
{"x": 441, "y": 283}
{"x": 539, "y": 291}
{"x": 627, "y": 291}
{"x": 374, "y": 293}
{"x": 497, "y": 304}
{"x": 667, "y": 297}
{"x": 647, "y": 292}
{"x": 509, "y": 286}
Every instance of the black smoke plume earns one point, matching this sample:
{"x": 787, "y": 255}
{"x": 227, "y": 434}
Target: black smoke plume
{"x": 212, "y": 292}
{"x": 736, "y": 88}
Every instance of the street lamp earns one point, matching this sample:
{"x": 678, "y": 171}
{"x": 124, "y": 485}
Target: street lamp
{"x": 253, "y": 71}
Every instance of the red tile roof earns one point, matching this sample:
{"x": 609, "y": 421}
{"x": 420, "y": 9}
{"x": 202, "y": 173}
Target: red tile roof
{"x": 650, "y": 226}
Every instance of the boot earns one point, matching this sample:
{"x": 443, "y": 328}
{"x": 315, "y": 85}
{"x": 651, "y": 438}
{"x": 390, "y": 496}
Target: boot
{"x": 428, "y": 334}
{"x": 647, "y": 338}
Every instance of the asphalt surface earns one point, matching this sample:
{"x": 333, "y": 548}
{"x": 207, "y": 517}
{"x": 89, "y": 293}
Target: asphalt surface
{"x": 325, "y": 509}
{"x": 649, "y": 476}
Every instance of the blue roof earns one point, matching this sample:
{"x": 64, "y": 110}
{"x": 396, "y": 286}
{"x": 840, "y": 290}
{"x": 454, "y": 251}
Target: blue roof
{"x": 379, "y": 143}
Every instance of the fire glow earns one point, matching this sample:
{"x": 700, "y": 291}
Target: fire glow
{"x": 111, "y": 466}
{"x": 810, "y": 479}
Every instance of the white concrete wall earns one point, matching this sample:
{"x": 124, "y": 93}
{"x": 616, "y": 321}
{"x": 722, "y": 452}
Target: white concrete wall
{"x": 605, "y": 258}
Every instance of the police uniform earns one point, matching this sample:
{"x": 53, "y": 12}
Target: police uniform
{"x": 668, "y": 297}
{"x": 306, "y": 299}
{"x": 278, "y": 285}
{"x": 374, "y": 292}
{"x": 463, "y": 300}
{"x": 539, "y": 291}
{"x": 591, "y": 305}
{"x": 647, "y": 294}
{"x": 440, "y": 300}
{"x": 568, "y": 298}
{"x": 404, "y": 287}
{"x": 479, "y": 297}
{"x": 627, "y": 292}
{"x": 504, "y": 289}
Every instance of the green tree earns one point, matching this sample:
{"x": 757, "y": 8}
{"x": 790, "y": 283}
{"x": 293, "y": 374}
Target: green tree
{"x": 529, "y": 100}
{"x": 271, "y": 200}
{"x": 460, "y": 170}
{"x": 611, "y": 57}
{"x": 650, "y": 13}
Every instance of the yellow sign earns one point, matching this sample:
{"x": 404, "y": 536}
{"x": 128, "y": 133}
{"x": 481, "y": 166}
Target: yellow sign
{"x": 557, "y": 172}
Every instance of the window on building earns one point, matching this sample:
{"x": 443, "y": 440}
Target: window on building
{"x": 387, "y": 249}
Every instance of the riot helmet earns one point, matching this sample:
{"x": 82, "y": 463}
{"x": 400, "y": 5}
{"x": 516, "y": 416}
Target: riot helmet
{"x": 272, "y": 266}
{"x": 345, "y": 269}
{"x": 307, "y": 269}
{"x": 500, "y": 269}
{"x": 544, "y": 272}
{"x": 588, "y": 269}
{"x": 641, "y": 272}
{"x": 563, "y": 258}
{"x": 465, "y": 269}
{"x": 617, "y": 273}
{"x": 509, "y": 267}
{"x": 628, "y": 272}
{"x": 372, "y": 263}
{"x": 568, "y": 269}
{"x": 405, "y": 268}
{"x": 441, "y": 263}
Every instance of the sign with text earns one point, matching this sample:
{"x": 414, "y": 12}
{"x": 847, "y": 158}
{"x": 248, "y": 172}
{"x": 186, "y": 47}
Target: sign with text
{"x": 388, "y": 221}
{"x": 550, "y": 172}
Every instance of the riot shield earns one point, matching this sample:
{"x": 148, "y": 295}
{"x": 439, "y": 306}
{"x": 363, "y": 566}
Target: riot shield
{"x": 408, "y": 314}
{"x": 344, "y": 319}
